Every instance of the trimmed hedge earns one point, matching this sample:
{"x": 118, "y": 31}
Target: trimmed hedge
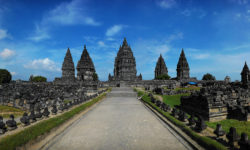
{"x": 11, "y": 142}
{"x": 206, "y": 142}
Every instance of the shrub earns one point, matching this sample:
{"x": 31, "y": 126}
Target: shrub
{"x": 38, "y": 79}
{"x": 5, "y": 76}
{"x": 163, "y": 77}
{"x": 208, "y": 76}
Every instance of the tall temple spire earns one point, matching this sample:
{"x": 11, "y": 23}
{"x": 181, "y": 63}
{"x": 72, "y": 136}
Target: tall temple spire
{"x": 245, "y": 75}
{"x": 125, "y": 65}
{"x": 85, "y": 67}
{"x": 68, "y": 68}
{"x": 182, "y": 67}
{"x": 124, "y": 42}
{"x": 160, "y": 68}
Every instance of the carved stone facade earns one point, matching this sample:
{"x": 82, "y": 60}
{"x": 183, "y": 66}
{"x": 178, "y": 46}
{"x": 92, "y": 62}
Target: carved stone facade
{"x": 125, "y": 65}
{"x": 245, "y": 76}
{"x": 182, "y": 67}
{"x": 68, "y": 68}
{"x": 160, "y": 68}
{"x": 85, "y": 67}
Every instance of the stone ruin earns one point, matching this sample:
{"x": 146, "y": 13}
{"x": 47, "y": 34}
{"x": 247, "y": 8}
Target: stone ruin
{"x": 219, "y": 100}
{"x": 160, "y": 68}
{"x": 25, "y": 95}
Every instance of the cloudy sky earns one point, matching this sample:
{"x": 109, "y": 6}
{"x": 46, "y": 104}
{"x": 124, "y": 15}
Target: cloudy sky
{"x": 215, "y": 35}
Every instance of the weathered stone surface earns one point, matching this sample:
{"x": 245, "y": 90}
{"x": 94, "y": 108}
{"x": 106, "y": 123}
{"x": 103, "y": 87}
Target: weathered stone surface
{"x": 11, "y": 124}
{"x": 245, "y": 76}
{"x": 3, "y": 128}
{"x": 125, "y": 64}
{"x": 160, "y": 68}
{"x": 182, "y": 67}
{"x": 68, "y": 68}
{"x": 218, "y": 101}
{"x": 85, "y": 67}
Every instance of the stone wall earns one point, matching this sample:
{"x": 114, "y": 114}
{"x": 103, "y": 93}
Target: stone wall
{"x": 25, "y": 94}
{"x": 217, "y": 101}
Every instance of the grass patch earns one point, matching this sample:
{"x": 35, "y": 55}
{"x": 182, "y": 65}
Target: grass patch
{"x": 66, "y": 101}
{"x": 173, "y": 99}
{"x": 241, "y": 126}
{"x": 9, "y": 109}
{"x": 12, "y": 141}
{"x": 190, "y": 88}
{"x": 206, "y": 142}
{"x": 6, "y": 111}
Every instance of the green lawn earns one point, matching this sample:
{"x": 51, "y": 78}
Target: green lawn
{"x": 241, "y": 126}
{"x": 173, "y": 99}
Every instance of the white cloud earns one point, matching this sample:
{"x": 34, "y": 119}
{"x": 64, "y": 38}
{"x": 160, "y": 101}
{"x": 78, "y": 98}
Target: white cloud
{"x": 40, "y": 34}
{"x": 166, "y": 3}
{"x": 200, "y": 56}
{"x": 175, "y": 36}
{"x": 13, "y": 73}
{"x": 66, "y": 13}
{"x": 7, "y": 53}
{"x": 114, "y": 30}
{"x": 3, "y": 34}
{"x": 42, "y": 64}
{"x": 70, "y": 13}
{"x": 101, "y": 43}
{"x": 200, "y": 13}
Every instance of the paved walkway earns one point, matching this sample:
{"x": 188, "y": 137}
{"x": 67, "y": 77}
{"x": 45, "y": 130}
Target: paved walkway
{"x": 119, "y": 122}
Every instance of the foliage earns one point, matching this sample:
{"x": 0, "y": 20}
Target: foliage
{"x": 208, "y": 76}
{"x": 38, "y": 79}
{"x": 241, "y": 126}
{"x": 95, "y": 76}
{"x": 163, "y": 77}
{"x": 173, "y": 99}
{"x": 5, "y": 76}
{"x": 11, "y": 142}
{"x": 202, "y": 140}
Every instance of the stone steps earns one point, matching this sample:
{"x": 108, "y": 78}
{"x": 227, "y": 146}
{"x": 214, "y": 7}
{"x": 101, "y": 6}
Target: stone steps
{"x": 122, "y": 92}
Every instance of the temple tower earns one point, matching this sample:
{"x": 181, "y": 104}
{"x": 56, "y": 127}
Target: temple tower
{"x": 245, "y": 75}
{"x": 182, "y": 67}
{"x": 125, "y": 65}
{"x": 160, "y": 68}
{"x": 85, "y": 67}
{"x": 68, "y": 68}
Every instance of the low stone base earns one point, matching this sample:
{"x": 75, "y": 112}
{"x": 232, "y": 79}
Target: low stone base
{"x": 12, "y": 128}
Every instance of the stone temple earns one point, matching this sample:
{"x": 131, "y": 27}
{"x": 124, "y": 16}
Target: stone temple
{"x": 85, "y": 67}
{"x": 182, "y": 67}
{"x": 125, "y": 65}
{"x": 245, "y": 76}
{"x": 160, "y": 68}
{"x": 68, "y": 68}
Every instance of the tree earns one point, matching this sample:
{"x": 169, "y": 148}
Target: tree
{"x": 95, "y": 76}
{"x": 38, "y": 79}
{"x": 5, "y": 76}
{"x": 208, "y": 76}
{"x": 163, "y": 77}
